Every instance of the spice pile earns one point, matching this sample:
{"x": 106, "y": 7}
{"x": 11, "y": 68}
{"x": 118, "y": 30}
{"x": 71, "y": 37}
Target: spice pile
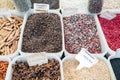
{"x": 98, "y": 72}
{"x": 7, "y": 4}
{"x": 80, "y": 32}
{"x": 95, "y": 6}
{"x": 111, "y": 29}
{"x": 54, "y": 4}
{"x": 116, "y": 67}
{"x": 42, "y": 33}
{"x": 48, "y": 71}
{"x": 111, "y": 4}
{"x": 9, "y": 34}
{"x": 3, "y": 69}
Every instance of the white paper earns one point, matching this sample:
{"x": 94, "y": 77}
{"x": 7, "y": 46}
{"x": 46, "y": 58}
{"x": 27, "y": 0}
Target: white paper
{"x": 107, "y": 15}
{"x": 40, "y": 7}
{"x": 37, "y": 59}
{"x": 86, "y": 59}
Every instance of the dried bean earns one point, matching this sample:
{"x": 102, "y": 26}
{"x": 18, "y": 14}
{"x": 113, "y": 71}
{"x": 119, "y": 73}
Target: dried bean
{"x": 47, "y": 71}
{"x": 42, "y": 33}
{"x": 80, "y": 32}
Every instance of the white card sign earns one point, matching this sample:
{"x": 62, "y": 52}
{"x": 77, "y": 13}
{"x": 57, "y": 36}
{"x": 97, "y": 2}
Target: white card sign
{"x": 86, "y": 59}
{"x": 107, "y": 15}
{"x": 40, "y": 7}
{"x": 37, "y": 58}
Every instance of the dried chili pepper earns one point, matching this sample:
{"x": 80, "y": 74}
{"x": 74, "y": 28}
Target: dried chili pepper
{"x": 111, "y": 29}
{"x": 3, "y": 69}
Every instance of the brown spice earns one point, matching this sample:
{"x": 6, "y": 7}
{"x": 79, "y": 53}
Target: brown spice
{"x": 42, "y": 33}
{"x": 47, "y": 71}
{"x": 9, "y": 32}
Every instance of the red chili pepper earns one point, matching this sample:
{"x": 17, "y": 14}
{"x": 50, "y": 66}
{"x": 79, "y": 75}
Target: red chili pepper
{"x": 111, "y": 29}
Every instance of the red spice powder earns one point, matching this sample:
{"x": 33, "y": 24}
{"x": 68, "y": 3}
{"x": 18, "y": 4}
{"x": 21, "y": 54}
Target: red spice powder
{"x": 111, "y": 29}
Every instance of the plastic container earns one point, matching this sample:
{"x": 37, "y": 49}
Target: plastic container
{"x": 78, "y": 5}
{"x": 116, "y": 11}
{"x": 114, "y": 56}
{"x": 2, "y": 58}
{"x": 57, "y": 9}
{"x": 59, "y": 54}
{"x": 11, "y": 13}
{"x": 103, "y": 43}
{"x": 22, "y": 5}
{"x": 99, "y": 56}
{"x": 95, "y": 6}
{"x": 21, "y": 58}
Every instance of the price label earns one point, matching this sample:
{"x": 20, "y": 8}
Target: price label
{"x": 40, "y": 7}
{"x": 86, "y": 59}
{"x": 107, "y": 15}
{"x": 37, "y": 59}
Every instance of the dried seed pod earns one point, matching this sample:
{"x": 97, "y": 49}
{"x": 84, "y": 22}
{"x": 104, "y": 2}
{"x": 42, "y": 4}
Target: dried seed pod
{"x": 42, "y": 72}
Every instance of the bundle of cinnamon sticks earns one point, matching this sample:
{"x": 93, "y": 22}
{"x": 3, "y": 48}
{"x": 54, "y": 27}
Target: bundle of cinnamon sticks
{"x": 10, "y": 28}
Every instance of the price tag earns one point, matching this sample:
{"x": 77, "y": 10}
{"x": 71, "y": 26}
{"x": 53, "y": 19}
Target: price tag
{"x": 86, "y": 59}
{"x": 107, "y": 15}
{"x": 41, "y": 7}
{"x": 37, "y": 58}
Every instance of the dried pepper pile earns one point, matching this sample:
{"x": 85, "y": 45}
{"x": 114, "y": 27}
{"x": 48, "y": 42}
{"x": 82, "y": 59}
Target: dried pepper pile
{"x": 3, "y": 69}
{"x": 48, "y": 71}
{"x": 111, "y": 29}
{"x": 80, "y": 32}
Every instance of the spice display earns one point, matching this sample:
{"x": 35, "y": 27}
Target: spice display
{"x": 99, "y": 71}
{"x": 95, "y": 6}
{"x": 80, "y": 32}
{"x": 111, "y": 29}
{"x": 42, "y": 33}
{"x": 3, "y": 69}
{"x": 116, "y": 67}
{"x": 48, "y": 71}
{"x": 22, "y": 5}
{"x": 7, "y": 4}
{"x": 111, "y": 4}
{"x": 9, "y": 34}
{"x": 54, "y": 4}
